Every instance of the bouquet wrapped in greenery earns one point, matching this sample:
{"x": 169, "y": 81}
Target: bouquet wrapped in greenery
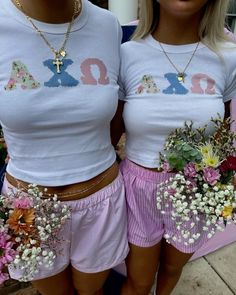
{"x": 201, "y": 187}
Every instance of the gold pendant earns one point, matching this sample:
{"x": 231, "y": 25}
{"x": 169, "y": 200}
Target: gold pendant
{"x": 58, "y": 64}
{"x": 63, "y": 53}
{"x": 180, "y": 77}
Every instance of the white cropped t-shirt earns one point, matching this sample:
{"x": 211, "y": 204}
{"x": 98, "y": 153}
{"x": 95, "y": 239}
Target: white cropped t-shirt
{"x": 57, "y": 126}
{"x": 156, "y": 102}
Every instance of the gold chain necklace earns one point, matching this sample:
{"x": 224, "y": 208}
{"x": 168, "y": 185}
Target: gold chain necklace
{"x": 81, "y": 191}
{"x": 60, "y": 53}
{"x": 181, "y": 74}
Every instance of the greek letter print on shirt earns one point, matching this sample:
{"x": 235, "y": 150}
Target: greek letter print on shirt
{"x": 60, "y": 121}
{"x": 199, "y": 84}
{"x": 21, "y": 75}
{"x": 157, "y": 102}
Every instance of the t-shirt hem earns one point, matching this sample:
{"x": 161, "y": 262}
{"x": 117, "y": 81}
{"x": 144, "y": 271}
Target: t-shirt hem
{"x": 142, "y": 162}
{"x": 62, "y": 179}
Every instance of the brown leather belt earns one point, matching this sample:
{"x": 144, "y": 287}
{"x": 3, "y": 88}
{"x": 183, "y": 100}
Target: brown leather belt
{"x": 73, "y": 191}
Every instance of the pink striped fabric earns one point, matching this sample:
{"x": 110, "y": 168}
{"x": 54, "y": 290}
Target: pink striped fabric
{"x": 94, "y": 238}
{"x": 146, "y": 225}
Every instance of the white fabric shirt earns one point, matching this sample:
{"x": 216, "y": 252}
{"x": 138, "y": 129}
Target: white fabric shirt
{"x": 156, "y": 102}
{"x": 57, "y": 126}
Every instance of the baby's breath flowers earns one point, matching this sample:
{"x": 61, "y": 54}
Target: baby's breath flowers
{"x": 29, "y": 227}
{"x": 200, "y": 193}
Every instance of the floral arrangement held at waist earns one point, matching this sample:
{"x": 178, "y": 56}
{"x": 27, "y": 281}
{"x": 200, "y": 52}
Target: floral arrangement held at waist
{"x": 202, "y": 186}
{"x": 29, "y": 228}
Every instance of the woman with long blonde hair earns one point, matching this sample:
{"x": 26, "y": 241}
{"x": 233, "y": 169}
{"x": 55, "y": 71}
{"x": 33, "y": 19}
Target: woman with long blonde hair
{"x": 180, "y": 66}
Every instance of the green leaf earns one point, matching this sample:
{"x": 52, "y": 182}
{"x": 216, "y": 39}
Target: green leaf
{"x": 187, "y": 148}
{"x": 176, "y": 162}
{"x": 2, "y": 215}
{"x": 226, "y": 177}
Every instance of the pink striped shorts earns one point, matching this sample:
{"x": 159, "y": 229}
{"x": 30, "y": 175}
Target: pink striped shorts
{"x": 95, "y": 237}
{"x": 146, "y": 225}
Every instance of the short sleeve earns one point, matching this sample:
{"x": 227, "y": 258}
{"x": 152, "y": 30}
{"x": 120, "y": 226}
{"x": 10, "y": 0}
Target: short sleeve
{"x": 230, "y": 91}
{"x": 230, "y": 88}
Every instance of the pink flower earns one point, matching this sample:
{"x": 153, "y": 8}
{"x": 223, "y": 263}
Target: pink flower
{"x": 171, "y": 191}
{"x": 12, "y": 82}
{"x": 166, "y": 166}
{"x": 140, "y": 89}
{"x": 192, "y": 184}
{"x": 21, "y": 73}
{"x": 211, "y": 175}
{"x": 7, "y": 254}
{"x": 3, "y": 277}
{"x": 190, "y": 170}
{"x": 22, "y": 203}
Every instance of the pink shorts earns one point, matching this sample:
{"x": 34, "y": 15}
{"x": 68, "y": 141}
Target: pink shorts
{"x": 146, "y": 225}
{"x": 95, "y": 237}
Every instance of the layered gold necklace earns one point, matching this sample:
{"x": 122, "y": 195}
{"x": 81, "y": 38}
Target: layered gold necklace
{"x": 180, "y": 74}
{"x": 61, "y": 52}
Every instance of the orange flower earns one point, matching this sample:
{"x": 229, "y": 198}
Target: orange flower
{"x": 21, "y": 220}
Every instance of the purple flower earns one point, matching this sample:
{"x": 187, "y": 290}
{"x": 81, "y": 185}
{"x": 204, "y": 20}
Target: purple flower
{"x": 192, "y": 184}
{"x": 171, "y": 191}
{"x": 190, "y": 170}
{"x": 166, "y": 166}
{"x": 3, "y": 277}
{"x": 7, "y": 254}
{"x": 22, "y": 203}
{"x": 210, "y": 175}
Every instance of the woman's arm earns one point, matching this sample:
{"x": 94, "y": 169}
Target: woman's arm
{"x": 117, "y": 124}
{"x": 3, "y": 152}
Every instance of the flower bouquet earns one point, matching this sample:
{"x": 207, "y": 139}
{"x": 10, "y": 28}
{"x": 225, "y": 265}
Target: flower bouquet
{"x": 201, "y": 191}
{"x": 29, "y": 227}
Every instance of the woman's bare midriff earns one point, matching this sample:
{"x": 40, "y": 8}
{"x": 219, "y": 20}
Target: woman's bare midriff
{"x": 72, "y": 191}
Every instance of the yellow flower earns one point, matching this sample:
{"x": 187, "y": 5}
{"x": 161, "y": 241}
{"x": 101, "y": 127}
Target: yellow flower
{"x": 221, "y": 186}
{"x": 211, "y": 160}
{"x": 199, "y": 166}
{"x": 228, "y": 211}
{"x": 206, "y": 150}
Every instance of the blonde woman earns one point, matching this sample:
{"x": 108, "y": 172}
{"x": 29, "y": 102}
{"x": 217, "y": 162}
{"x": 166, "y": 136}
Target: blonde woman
{"x": 58, "y": 93}
{"x": 179, "y": 66}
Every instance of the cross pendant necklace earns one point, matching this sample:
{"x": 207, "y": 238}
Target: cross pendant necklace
{"x": 58, "y": 63}
{"x": 58, "y": 60}
{"x": 61, "y": 53}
